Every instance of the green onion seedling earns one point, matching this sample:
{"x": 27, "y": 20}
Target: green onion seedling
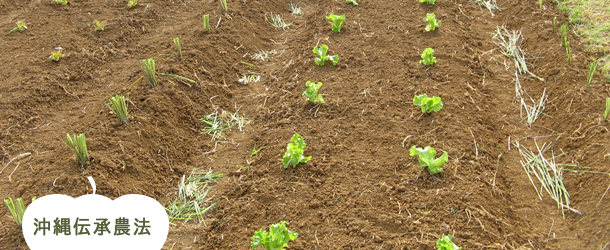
{"x": 607, "y": 112}
{"x": 148, "y": 66}
{"x": 223, "y": 4}
{"x": 592, "y": 68}
{"x": 177, "y": 43}
{"x": 206, "y": 22}
{"x": 119, "y": 106}
{"x": 78, "y": 146}
{"x": 16, "y": 208}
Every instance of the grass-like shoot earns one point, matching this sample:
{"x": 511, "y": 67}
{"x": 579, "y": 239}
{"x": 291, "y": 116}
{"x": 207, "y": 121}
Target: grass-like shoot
{"x": 99, "y": 26}
{"x": 148, "y": 66}
{"x": 277, "y": 21}
{"x": 20, "y": 27}
{"x": 563, "y": 29}
{"x": 428, "y": 57}
{"x": 132, "y": 3}
{"x": 312, "y": 92}
{"x": 177, "y": 43}
{"x": 216, "y": 123}
{"x": 223, "y": 4}
{"x": 253, "y": 77}
{"x": 432, "y": 22}
{"x": 61, "y": 2}
{"x": 428, "y": 104}
{"x": 337, "y": 22}
{"x": 353, "y": 2}
{"x": 445, "y": 243}
{"x": 321, "y": 52}
{"x": 296, "y": 10}
{"x": 426, "y": 158}
{"x": 431, "y": 2}
{"x": 78, "y": 146}
{"x": 592, "y": 68}
{"x": 206, "y": 22}
{"x": 56, "y": 55}
{"x": 276, "y": 239}
{"x": 16, "y": 208}
{"x": 192, "y": 201}
{"x": 119, "y": 106}
{"x": 607, "y": 112}
{"x": 294, "y": 152}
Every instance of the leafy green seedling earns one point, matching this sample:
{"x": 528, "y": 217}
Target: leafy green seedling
{"x": 431, "y": 2}
{"x": 353, "y": 2}
{"x": 276, "y": 239}
{"x": 99, "y": 26}
{"x": 16, "y": 208}
{"x": 206, "y": 22}
{"x": 428, "y": 57}
{"x": 78, "y": 146}
{"x": 607, "y": 112}
{"x": 177, "y": 43}
{"x": 432, "y": 23}
{"x": 445, "y": 243}
{"x": 321, "y": 52}
{"x": 312, "y": 92}
{"x": 148, "y": 66}
{"x": 56, "y": 55}
{"x": 118, "y": 105}
{"x": 294, "y": 152}
{"x": 428, "y": 104}
{"x": 426, "y": 159}
{"x": 337, "y": 21}
{"x": 20, "y": 27}
{"x": 61, "y": 2}
{"x": 132, "y": 3}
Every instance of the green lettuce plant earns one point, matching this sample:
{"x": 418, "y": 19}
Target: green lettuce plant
{"x": 445, "y": 243}
{"x": 61, "y": 2}
{"x": 428, "y": 104}
{"x": 337, "y": 21}
{"x": 432, "y": 22}
{"x": 132, "y": 3}
{"x": 431, "y": 2}
{"x": 312, "y": 92}
{"x": 20, "y": 27}
{"x": 428, "y": 57}
{"x": 426, "y": 158}
{"x": 56, "y": 55}
{"x": 294, "y": 152}
{"x": 321, "y": 52}
{"x": 276, "y": 239}
{"x": 353, "y": 2}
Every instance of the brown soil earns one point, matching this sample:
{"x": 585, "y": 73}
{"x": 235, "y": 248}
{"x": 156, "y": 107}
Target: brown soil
{"x": 361, "y": 189}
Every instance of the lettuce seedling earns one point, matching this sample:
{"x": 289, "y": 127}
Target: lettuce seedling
{"x": 337, "y": 21}
{"x": 428, "y": 104}
{"x": 312, "y": 92}
{"x": 428, "y": 57}
{"x": 321, "y": 52}
{"x": 294, "y": 152}
{"x": 353, "y": 2}
{"x": 56, "y": 55}
{"x": 20, "y": 27}
{"x": 445, "y": 243}
{"x": 276, "y": 239}
{"x": 99, "y": 26}
{"x": 61, "y": 2}
{"x": 431, "y": 2}
{"x": 432, "y": 23}
{"x": 426, "y": 159}
{"x": 132, "y": 3}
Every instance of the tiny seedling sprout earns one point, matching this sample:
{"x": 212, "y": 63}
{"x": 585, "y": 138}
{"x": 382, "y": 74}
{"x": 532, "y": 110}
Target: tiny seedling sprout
{"x": 216, "y": 123}
{"x": 16, "y": 208}
{"x": 132, "y": 3}
{"x": 432, "y": 22}
{"x": 262, "y": 55}
{"x": 431, "y": 2}
{"x": 20, "y": 27}
{"x": 119, "y": 106}
{"x": 277, "y": 21}
{"x": 312, "y": 92}
{"x": 592, "y": 68}
{"x": 99, "y": 26}
{"x": 276, "y": 238}
{"x": 148, "y": 66}
{"x": 78, "y": 146}
{"x": 206, "y": 22}
{"x": 252, "y": 77}
{"x": 337, "y": 22}
{"x": 223, "y": 4}
{"x": 255, "y": 150}
{"x": 445, "y": 243}
{"x": 426, "y": 158}
{"x": 56, "y": 55}
{"x": 177, "y": 43}
{"x": 61, "y": 2}
{"x": 296, "y": 10}
{"x": 294, "y": 152}
{"x": 428, "y": 57}
{"x": 607, "y": 112}
{"x": 353, "y": 2}
{"x": 192, "y": 201}
{"x": 321, "y": 52}
{"x": 428, "y": 104}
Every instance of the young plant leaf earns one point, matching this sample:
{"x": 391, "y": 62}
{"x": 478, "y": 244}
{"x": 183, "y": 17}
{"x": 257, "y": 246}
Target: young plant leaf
{"x": 426, "y": 158}
{"x": 276, "y": 239}
{"x": 432, "y": 22}
{"x": 431, "y": 2}
{"x": 312, "y": 92}
{"x": 321, "y": 52}
{"x": 294, "y": 152}
{"x": 337, "y": 21}
{"x": 428, "y": 104}
{"x": 428, "y": 57}
{"x": 445, "y": 243}
{"x": 353, "y": 2}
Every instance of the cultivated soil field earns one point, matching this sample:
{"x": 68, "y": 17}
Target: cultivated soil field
{"x": 361, "y": 189}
